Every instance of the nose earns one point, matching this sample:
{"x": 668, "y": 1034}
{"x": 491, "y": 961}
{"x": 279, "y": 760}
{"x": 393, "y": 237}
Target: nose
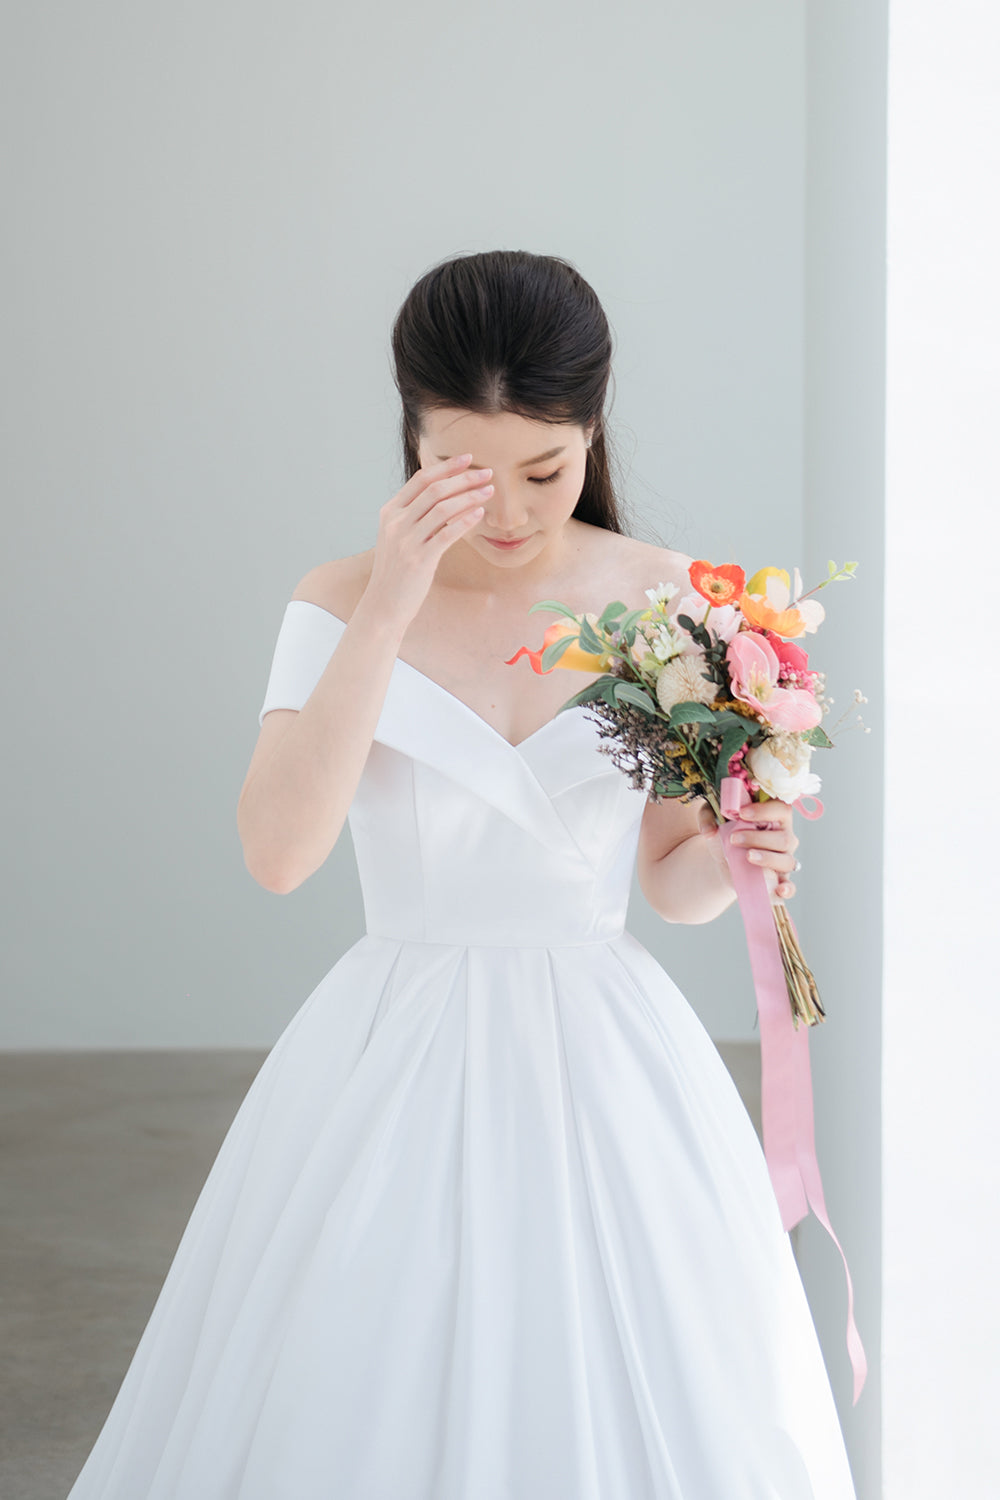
{"x": 505, "y": 512}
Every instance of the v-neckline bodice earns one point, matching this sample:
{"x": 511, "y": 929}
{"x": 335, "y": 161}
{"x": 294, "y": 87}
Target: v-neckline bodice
{"x": 455, "y": 699}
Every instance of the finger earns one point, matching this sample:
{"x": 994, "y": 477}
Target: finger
{"x": 767, "y": 859}
{"x": 771, "y": 807}
{"x": 463, "y": 520}
{"x": 764, "y": 838}
{"x": 421, "y": 477}
{"x": 785, "y": 888}
{"x": 469, "y": 505}
{"x": 459, "y": 488}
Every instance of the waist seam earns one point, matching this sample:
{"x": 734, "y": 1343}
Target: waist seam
{"x": 394, "y": 937}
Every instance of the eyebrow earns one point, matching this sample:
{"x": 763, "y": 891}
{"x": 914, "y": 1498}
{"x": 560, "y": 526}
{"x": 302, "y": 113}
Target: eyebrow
{"x": 539, "y": 459}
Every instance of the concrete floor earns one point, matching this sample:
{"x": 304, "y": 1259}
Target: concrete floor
{"x": 102, "y": 1156}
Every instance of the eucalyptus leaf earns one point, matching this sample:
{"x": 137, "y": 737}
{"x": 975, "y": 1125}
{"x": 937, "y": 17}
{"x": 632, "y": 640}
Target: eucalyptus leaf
{"x": 554, "y": 650}
{"x": 587, "y": 694}
{"x": 589, "y": 639}
{"x": 631, "y": 692}
{"x": 627, "y": 622}
{"x": 553, "y": 604}
{"x": 610, "y": 612}
{"x": 691, "y": 713}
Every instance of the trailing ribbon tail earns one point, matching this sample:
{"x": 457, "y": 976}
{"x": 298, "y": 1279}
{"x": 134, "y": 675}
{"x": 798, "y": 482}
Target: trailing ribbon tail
{"x": 786, "y": 1081}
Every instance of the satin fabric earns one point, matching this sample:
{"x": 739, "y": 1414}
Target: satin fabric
{"x": 492, "y": 1222}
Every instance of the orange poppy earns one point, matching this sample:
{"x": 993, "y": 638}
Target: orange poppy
{"x": 719, "y": 585}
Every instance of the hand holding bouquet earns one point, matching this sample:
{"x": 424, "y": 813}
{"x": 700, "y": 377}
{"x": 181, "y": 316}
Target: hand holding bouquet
{"x": 705, "y": 694}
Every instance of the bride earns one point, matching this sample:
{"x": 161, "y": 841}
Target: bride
{"x": 492, "y": 1222}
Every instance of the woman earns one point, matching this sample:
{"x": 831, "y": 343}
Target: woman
{"x": 492, "y": 1222}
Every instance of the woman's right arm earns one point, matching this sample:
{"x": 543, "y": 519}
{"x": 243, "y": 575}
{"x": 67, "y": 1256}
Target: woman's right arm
{"x": 307, "y": 763}
{"x": 295, "y": 801}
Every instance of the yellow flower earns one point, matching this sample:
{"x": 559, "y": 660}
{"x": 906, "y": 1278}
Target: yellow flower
{"x": 758, "y": 583}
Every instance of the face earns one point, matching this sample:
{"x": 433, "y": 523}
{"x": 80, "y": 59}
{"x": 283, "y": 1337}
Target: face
{"x": 538, "y": 473}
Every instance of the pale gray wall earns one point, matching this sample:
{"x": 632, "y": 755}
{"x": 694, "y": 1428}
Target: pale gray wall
{"x": 840, "y": 919}
{"x": 213, "y": 213}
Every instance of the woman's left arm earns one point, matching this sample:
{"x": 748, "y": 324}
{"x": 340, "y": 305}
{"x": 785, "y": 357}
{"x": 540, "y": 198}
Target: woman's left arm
{"x": 681, "y": 862}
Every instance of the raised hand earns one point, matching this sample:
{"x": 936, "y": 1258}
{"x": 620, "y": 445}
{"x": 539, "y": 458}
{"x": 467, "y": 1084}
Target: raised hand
{"x": 435, "y": 507}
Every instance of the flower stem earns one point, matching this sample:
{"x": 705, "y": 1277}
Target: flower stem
{"x": 709, "y": 792}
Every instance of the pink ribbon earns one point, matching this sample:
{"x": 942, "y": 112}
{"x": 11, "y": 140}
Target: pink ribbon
{"x": 786, "y": 1080}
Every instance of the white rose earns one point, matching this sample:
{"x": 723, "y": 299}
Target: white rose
{"x": 681, "y": 682}
{"x": 780, "y": 766}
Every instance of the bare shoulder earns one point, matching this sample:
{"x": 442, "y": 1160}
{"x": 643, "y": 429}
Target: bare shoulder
{"x": 336, "y": 585}
{"x": 636, "y": 565}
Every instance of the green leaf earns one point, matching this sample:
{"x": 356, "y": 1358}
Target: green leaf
{"x": 691, "y": 713}
{"x": 589, "y": 639}
{"x": 587, "y": 694}
{"x": 554, "y": 650}
{"x": 631, "y": 692}
{"x": 610, "y": 612}
{"x": 818, "y": 736}
{"x": 628, "y": 621}
{"x": 560, "y": 609}
{"x": 733, "y": 737}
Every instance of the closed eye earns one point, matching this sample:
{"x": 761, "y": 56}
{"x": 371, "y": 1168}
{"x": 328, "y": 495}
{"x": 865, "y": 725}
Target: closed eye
{"x": 546, "y": 479}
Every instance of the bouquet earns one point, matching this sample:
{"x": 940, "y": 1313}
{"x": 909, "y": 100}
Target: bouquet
{"x": 706, "y": 694}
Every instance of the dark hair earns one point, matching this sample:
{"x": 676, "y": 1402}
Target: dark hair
{"x": 509, "y": 331}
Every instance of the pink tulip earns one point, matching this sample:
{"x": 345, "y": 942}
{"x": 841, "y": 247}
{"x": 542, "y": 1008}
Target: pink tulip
{"x": 753, "y": 675}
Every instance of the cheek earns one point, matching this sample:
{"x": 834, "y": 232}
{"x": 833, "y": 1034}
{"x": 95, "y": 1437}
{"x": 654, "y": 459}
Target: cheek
{"x": 555, "y": 503}
{"x": 568, "y": 490}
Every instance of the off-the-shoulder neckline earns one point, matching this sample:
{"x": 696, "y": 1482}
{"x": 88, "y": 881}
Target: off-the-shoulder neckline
{"x": 560, "y": 714}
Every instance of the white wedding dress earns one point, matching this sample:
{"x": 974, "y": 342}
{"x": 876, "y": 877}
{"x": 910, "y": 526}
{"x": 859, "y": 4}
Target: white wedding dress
{"x": 492, "y": 1221}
